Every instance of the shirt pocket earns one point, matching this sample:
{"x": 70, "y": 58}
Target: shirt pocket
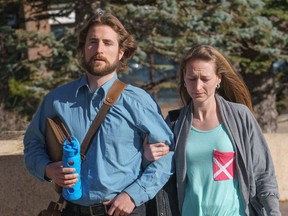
{"x": 122, "y": 144}
{"x": 223, "y": 165}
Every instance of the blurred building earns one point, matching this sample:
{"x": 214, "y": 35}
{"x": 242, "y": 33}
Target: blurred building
{"x": 36, "y": 16}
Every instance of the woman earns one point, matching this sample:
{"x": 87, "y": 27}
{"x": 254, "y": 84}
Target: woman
{"x": 223, "y": 164}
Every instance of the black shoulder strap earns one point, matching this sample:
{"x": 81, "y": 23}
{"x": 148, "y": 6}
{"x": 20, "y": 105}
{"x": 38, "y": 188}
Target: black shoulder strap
{"x": 111, "y": 98}
{"x": 173, "y": 115}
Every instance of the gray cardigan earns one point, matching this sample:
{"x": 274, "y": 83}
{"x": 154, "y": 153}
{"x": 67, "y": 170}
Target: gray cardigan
{"x": 254, "y": 164}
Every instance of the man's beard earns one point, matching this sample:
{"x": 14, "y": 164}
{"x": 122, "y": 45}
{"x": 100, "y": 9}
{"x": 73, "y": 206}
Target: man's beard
{"x": 107, "y": 69}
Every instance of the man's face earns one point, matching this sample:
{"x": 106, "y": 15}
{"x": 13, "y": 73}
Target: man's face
{"x": 102, "y": 53}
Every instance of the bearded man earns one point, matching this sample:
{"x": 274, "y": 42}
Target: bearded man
{"x": 113, "y": 180}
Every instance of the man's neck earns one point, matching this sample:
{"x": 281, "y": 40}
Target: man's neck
{"x": 96, "y": 81}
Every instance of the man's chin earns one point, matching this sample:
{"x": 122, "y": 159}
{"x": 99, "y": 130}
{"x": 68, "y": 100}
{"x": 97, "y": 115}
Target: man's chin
{"x": 96, "y": 74}
{"x": 99, "y": 70}
{"x": 99, "y": 73}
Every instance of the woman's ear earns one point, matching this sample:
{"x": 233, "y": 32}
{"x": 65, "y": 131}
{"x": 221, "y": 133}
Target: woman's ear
{"x": 219, "y": 78}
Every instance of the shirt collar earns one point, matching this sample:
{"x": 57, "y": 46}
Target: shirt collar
{"x": 82, "y": 82}
{"x": 106, "y": 86}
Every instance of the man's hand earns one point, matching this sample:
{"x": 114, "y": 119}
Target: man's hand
{"x": 61, "y": 176}
{"x": 121, "y": 205}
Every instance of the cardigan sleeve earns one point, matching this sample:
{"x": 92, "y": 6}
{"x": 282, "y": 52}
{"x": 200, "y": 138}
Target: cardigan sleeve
{"x": 263, "y": 170}
{"x": 256, "y": 170}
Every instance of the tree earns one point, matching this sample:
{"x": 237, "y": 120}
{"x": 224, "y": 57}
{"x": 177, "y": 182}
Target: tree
{"x": 27, "y": 78}
{"x": 243, "y": 30}
{"x": 276, "y": 11}
{"x": 252, "y": 34}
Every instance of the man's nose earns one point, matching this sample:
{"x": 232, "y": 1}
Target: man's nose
{"x": 99, "y": 48}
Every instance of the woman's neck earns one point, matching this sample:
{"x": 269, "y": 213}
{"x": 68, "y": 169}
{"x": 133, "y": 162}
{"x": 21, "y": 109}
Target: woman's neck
{"x": 206, "y": 116}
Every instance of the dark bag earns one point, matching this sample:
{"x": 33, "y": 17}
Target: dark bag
{"x": 54, "y": 208}
{"x": 165, "y": 203}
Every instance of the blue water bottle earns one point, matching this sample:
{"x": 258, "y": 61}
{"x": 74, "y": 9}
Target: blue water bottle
{"x": 71, "y": 158}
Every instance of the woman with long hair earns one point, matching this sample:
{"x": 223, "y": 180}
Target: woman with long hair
{"x": 223, "y": 164}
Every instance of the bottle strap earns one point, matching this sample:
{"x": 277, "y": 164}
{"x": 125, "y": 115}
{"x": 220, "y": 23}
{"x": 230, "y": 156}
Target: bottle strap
{"x": 111, "y": 98}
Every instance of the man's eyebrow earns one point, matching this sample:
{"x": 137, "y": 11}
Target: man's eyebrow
{"x": 97, "y": 39}
{"x": 93, "y": 39}
{"x": 108, "y": 40}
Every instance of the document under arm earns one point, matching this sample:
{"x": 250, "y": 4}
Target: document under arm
{"x": 56, "y": 133}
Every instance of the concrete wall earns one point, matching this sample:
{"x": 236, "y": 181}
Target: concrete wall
{"x": 278, "y": 144}
{"x": 22, "y": 194}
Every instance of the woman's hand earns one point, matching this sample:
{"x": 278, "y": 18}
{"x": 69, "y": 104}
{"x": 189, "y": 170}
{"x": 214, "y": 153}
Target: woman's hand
{"x": 154, "y": 151}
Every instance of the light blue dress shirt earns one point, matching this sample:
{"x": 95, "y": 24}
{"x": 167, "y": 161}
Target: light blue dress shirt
{"x": 113, "y": 162}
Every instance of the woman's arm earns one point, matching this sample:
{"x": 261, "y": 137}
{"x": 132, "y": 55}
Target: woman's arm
{"x": 154, "y": 151}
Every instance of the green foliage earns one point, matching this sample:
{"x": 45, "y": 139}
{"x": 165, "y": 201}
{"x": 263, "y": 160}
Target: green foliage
{"x": 253, "y": 34}
{"x": 239, "y": 28}
{"x": 28, "y": 80}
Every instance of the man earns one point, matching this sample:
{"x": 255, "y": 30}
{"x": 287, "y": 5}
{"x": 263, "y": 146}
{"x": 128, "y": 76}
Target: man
{"x": 111, "y": 174}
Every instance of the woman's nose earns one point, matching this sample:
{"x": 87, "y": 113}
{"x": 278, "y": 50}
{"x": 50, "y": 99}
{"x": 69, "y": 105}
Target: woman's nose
{"x": 198, "y": 84}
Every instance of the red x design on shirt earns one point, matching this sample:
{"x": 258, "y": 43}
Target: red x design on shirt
{"x": 223, "y": 165}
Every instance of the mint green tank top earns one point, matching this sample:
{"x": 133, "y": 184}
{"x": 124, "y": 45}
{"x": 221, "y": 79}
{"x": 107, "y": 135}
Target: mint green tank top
{"x": 212, "y": 187}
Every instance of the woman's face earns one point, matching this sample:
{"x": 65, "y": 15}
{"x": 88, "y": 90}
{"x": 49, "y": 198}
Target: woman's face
{"x": 201, "y": 80}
